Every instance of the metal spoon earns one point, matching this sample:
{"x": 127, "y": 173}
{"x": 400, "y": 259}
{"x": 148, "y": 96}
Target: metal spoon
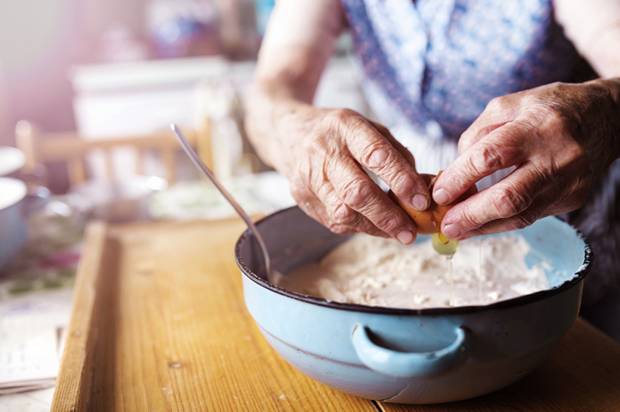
{"x": 191, "y": 153}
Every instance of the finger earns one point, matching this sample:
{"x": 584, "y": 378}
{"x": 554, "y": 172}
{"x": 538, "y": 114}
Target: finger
{"x": 517, "y": 222}
{"x": 497, "y": 112}
{"x": 309, "y": 203}
{"x": 398, "y": 145}
{"x": 554, "y": 200}
{"x": 504, "y": 225}
{"x": 509, "y": 197}
{"x": 503, "y": 148}
{"x": 361, "y": 194}
{"x": 375, "y": 152}
{"x": 340, "y": 218}
{"x": 472, "y": 135}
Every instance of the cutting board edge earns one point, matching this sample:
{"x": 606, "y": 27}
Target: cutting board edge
{"x": 72, "y": 391}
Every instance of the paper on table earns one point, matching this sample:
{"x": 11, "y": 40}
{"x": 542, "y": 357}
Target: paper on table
{"x": 27, "y": 354}
{"x": 30, "y": 340}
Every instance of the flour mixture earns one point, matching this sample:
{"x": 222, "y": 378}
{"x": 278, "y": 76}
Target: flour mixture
{"x": 381, "y": 272}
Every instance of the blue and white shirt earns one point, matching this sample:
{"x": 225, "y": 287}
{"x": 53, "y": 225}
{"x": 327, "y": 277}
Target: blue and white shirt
{"x": 437, "y": 63}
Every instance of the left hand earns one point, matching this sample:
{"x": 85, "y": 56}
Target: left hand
{"x": 560, "y": 137}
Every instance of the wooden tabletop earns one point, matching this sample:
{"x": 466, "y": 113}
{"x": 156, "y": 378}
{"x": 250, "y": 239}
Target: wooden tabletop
{"x": 159, "y": 324}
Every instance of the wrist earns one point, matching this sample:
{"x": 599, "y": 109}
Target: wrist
{"x": 611, "y": 88}
{"x": 614, "y": 88}
{"x": 271, "y": 114}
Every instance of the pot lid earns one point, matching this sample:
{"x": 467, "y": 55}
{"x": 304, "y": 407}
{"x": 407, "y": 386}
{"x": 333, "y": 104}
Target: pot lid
{"x": 11, "y": 191}
{"x": 11, "y": 160}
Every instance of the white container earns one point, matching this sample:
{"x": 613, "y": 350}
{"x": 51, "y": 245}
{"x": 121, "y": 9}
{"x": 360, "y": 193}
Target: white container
{"x": 140, "y": 97}
{"x": 134, "y": 98}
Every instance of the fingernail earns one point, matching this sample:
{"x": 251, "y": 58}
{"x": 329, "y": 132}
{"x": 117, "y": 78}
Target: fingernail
{"x": 451, "y": 230}
{"x": 419, "y": 202}
{"x": 440, "y": 196}
{"x": 405, "y": 237}
{"x": 377, "y": 158}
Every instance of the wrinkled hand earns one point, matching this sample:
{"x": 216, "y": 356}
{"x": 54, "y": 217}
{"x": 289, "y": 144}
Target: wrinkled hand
{"x": 324, "y": 152}
{"x": 559, "y": 137}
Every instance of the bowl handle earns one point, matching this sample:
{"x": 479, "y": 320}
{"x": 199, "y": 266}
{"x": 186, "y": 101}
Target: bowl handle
{"x": 408, "y": 364}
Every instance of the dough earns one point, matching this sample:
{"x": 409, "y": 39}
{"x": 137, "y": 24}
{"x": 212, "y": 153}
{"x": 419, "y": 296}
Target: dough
{"x": 374, "y": 271}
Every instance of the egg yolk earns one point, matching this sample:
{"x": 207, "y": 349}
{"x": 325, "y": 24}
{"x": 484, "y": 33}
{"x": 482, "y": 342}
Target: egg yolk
{"x": 443, "y": 245}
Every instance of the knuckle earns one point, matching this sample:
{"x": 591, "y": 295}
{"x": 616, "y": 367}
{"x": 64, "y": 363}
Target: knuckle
{"x": 377, "y": 156}
{"x": 530, "y": 99}
{"x": 401, "y": 183}
{"x": 339, "y": 116}
{"x": 468, "y": 218}
{"x": 508, "y": 202}
{"x": 382, "y": 129}
{"x": 388, "y": 223}
{"x": 465, "y": 140}
{"x": 315, "y": 144}
{"x": 541, "y": 177}
{"x": 344, "y": 216}
{"x": 497, "y": 104}
{"x": 554, "y": 120}
{"x": 299, "y": 193}
{"x": 339, "y": 229}
{"x": 356, "y": 193}
{"x": 560, "y": 87}
{"x": 488, "y": 158}
{"x": 523, "y": 221}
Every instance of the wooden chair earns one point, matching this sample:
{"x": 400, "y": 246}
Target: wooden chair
{"x": 40, "y": 149}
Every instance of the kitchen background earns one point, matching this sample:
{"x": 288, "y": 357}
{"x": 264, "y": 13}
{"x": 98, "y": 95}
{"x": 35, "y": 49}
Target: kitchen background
{"x": 124, "y": 67}
{"x": 87, "y": 91}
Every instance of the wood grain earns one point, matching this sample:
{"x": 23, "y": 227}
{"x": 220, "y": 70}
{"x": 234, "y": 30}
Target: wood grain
{"x": 167, "y": 329}
{"x": 583, "y": 375}
{"x": 159, "y": 324}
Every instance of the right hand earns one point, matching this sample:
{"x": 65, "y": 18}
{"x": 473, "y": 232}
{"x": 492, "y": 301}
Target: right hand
{"x": 323, "y": 152}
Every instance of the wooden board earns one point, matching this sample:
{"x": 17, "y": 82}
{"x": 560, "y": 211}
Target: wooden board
{"x": 582, "y": 376}
{"x": 159, "y": 324}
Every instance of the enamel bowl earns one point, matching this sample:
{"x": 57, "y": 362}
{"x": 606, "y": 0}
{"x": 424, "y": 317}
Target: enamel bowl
{"x": 12, "y": 220}
{"x": 410, "y": 356}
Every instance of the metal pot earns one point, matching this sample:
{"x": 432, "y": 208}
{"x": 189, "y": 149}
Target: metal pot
{"x": 410, "y": 356}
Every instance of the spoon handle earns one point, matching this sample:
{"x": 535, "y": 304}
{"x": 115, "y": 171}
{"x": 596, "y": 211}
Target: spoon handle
{"x": 191, "y": 153}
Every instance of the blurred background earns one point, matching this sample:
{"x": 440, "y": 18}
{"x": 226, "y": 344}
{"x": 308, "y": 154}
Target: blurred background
{"x": 120, "y": 68}
{"x": 88, "y": 89}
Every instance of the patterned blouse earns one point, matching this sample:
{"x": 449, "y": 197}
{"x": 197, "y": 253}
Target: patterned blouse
{"x": 441, "y": 61}
{"x": 433, "y": 65}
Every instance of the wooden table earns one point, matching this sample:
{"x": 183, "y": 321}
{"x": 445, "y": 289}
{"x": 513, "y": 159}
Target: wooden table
{"x": 159, "y": 324}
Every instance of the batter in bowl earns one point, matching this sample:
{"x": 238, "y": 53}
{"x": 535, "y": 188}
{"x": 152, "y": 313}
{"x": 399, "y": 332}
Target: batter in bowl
{"x": 374, "y": 271}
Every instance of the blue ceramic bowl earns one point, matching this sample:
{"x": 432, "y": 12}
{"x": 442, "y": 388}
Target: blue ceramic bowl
{"x": 402, "y": 355}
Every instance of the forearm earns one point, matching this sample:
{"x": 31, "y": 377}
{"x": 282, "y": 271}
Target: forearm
{"x": 296, "y": 48}
{"x": 611, "y": 87}
{"x": 281, "y": 94}
{"x": 594, "y": 28}
{"x": 269, "y": 106}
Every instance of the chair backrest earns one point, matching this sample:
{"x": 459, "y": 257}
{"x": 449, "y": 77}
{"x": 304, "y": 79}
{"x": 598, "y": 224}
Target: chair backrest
{"x": 40, "y": 149}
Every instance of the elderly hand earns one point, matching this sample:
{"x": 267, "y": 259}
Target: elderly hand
{"x": 324, "y": 152}
{"x": 559, "y": 137}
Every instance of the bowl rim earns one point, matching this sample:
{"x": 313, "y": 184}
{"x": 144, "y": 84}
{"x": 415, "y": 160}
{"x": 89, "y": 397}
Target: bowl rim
{"x": 457, "y": 310}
